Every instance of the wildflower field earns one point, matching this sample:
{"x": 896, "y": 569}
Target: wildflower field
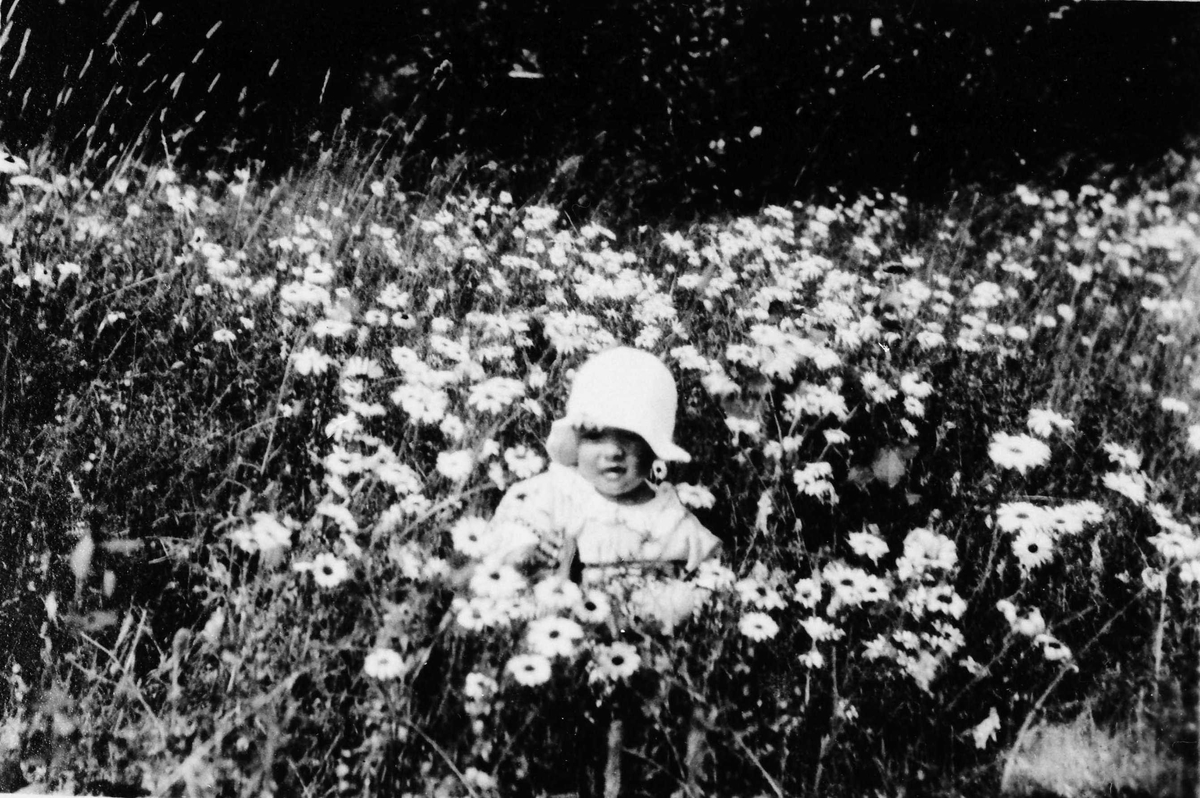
{"x": 253, "y": 431}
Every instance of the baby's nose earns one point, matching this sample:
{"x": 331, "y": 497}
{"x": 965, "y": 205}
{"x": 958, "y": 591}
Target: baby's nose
{"x": 615, "y": 449}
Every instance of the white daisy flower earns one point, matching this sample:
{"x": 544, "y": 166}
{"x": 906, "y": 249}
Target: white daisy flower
{"x": 1131, "y": 486}
{"x": 529, "y": 670}
{"x": 556, "y": 593}
{"x": 1123, "y": 456}
{"x": 328, "y": 570}
{"x": 470, "y": 536}
{"x": 496, "y": 581}
{"x": 1193, "y": 437}
{"x": 1177, "y": 406}
{"x": 385, "y": 664}
{"x": 614, "y": 662}
{"x": 1068, "y": 519}
{"x": 553, "y": 636}
{"x": 1033, "y": 548}
{"x": 1018, "y": 452}
{"x": 1019, "y": 516}
{"x": 820, "y": 629}
{"x": 807, "y": 593}
{"x": 1044, "y": 423}
{"x": 758, "y": 626}
{"x": 1052, "y": 649}
{"x": 866, "y": 544}
{"x": 593, "y": 607}
{"x": 755, "y": 593}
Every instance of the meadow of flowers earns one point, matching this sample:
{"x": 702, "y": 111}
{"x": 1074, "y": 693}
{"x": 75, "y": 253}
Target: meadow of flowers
{"x": 255, "y": 434}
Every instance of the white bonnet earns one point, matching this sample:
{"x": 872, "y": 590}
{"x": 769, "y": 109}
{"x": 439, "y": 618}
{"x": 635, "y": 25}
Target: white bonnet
{"x": 622, "y": 388}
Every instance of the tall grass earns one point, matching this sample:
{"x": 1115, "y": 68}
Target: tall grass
{"x": 248, "y": 424}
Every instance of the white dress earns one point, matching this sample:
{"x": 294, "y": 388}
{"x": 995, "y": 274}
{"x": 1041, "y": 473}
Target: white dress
{"x": 561, "y": 506}
{"x": 632, "y": 552}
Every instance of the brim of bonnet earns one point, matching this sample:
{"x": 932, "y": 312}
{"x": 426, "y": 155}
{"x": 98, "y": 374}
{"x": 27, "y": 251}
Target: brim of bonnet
{"x": 562, "y": 444}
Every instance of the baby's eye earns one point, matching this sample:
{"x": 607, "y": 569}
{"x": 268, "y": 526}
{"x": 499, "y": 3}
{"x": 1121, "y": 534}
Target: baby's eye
{"x": 588, "y": 434}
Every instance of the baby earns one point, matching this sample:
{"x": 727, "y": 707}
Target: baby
{"x": 594, "y": 503}
{"x": 594, "y": 507}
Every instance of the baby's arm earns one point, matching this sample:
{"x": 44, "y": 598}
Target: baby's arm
{"x": 702, "y": 544}
{"x": 531, "y": 503}
{"x": 686, "y": 539}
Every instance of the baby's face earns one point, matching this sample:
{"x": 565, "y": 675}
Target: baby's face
{"x": 614, "y": 461}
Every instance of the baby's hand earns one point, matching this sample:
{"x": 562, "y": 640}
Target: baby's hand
{"x": 550, "y": 549}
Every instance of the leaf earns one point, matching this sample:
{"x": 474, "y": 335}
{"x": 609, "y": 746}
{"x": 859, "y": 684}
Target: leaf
{"x": 860, "y": 476}
{"x": 889, "y": 467}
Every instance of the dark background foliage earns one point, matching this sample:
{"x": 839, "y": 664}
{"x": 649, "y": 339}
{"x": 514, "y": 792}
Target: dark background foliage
{"x": 645, "y": 102}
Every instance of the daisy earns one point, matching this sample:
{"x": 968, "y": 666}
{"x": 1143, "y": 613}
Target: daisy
{"x": 265, "y": 534}
{"x": 1029, "y": 625}
{"x": 496, "y": 581}
{"x": 820, "y": 629}
{"x": 866, "y": 544}
{"x": 614, "y": 662}
{"x": 523, "y": 462}
{"x": 421, "y": 403}
{"x": 384, "y": 664}
{"x": 812, "y": 659}
{"x": 912, "y": 386}
{"x": 1018, "y": 452}
{"x": 470, "y": 536}
{"x": 594, "y": 607}
{"x": 943, "y": 599}
{"x": 1045, "y": 423}
{"x": 758, "y": 626}
{"x": 878, "y": 647}
{"x": 695, "y": 495}
{"x": 1123, "y": 456}
{"x": 495, "y": 394}
{"x": 1154, "y": 579}
{"x": 477, "y": 614}
{"x": 836, "y": 437}
{"x": 1189, "y": 572}
{"x": 872, "y": 588}
{"x": 556, "y": 593}
{"x": 340, "y": 514}
{"x": 455, "y": 466}
{"x": 1172, "y": 405}
{"x": 1019, "y": 516}
{"x": 807, "y": 593}
{"x": 1065, "y": 520}
{"x": 11, "y": 164}
{"x": 529, "y": 670}
{"x": 926, "y": 550}
{"x": 311, "y": 361}
{"x": 753, "y": 592}
{"x": 358, "y": 366}
{"x": 479, "y": 686}
{"x": 712, "y": 575}
{"x": 1131, "y": 486}
{"x": 1089, "y": 511}
{"x": 327, "y": 570}
{"x": 846, "y": 582}
{"x": 553, "y": 636}
{"x": 1052, "y": 649}
{"x": 1033, "y": 548}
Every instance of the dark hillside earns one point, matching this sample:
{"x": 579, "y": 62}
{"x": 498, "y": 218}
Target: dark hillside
{"x": 665, "y": 103}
